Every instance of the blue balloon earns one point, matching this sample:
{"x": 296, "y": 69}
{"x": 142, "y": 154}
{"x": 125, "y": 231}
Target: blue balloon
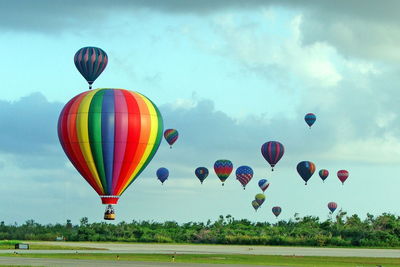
{"x": 310, "y": 118}
{"x": 162, "y": 174}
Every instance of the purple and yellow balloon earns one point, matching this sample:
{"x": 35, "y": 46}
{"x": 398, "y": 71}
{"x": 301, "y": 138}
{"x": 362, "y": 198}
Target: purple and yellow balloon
{"x": 90, "y": 62}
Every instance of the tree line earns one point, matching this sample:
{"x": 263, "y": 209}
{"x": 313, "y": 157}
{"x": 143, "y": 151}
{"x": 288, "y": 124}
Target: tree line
{"x": 341, "y": 230}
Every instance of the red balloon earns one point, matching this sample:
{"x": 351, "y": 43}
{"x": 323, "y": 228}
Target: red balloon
{"x": 342, "y": 175}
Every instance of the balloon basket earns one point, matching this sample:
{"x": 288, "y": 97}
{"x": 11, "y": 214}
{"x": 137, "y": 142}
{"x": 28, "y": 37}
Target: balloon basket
{"x": 109, "y": 213}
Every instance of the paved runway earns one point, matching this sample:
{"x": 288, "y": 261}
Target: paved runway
{"x": 216, "y": 249}
{"x": 98, "y": 263}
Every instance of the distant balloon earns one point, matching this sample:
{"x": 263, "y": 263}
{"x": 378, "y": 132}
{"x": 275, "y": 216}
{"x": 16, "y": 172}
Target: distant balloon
{"x": 323, "y": 174}
{"x": 263, "y": 184}
{"x": 272, "y": 151}
{"x": 171, "y": 135}
{"x": 223, "y": 168}
{"x": 260, "y": 198}
{"x": 332, "y": 206}
{"x": 306, "y": 169}
{"x": 244, "y": 175}
{"x": 310, "y": 118}
{"x": 342, "y": 175}
{"x": 90, "y": 62}
{"x": 201, "y": 173}
{"x": 255, "y": 205}
{"x": 162, "y": 174}
{"x": 276, "y": 211}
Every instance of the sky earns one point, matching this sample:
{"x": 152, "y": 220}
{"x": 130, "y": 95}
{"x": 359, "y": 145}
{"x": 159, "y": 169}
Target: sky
{"x": 230, "y": 76}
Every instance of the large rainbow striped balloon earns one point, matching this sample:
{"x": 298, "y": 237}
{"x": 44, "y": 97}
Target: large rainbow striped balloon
{"x": 110, "y": 136}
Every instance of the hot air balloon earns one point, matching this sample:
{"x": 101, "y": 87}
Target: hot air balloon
{"x": 272, "y": 151}
{"x": 162, "y": 174}
{"x": 244, "y": 175}
{"x": 90, "y": 62}
{"x": 263, "y": 184}
{"x": 201, "y": 173}
{"x": 332, "y": 206}
{"x": 110, "y": 136}
{"x": 310, "y": 118}
{"x": 255, "y": 205}
{"x": 171, "y": 135}
{"x": 306, "y": 169}
{"x": 323, "y": 174}
{"x": 342, "y": 175}
{"x": 223, "y": 168}
{"x": 260, "y": 198}
{"x": 276, "y": 211}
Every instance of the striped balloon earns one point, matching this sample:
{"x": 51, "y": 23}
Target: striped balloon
{"x": 201, "y": 173}
{"x": 263, "y": 184}
{"x": 223, "y": 168}
{"x": 323, "y": 174}
{"x": 272, "y": 151}
{"x": 310, "y": 118}
{"x": 244, "y": 175}
{"x": 306, "y": 169}
{"x": 342, "y": 175}
{"x": 332, "y": 206}
{"x": 110, "y": 136}
{"x": 90, "y": 62}
{"x": 171, "y": 135}
{"x": 276, "y": 211}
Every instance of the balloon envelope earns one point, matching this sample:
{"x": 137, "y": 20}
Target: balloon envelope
{"x": 162, "y": 174}
{"x": 110, "y": 136}
{"x": 244, "y": 175}
{"x": 276, "y": 210}
{"x": 171, "y": 135}
{"x": 323, "y": 174}
{"x": 255, "y": 205}
{"x": 332, "y": 206}
{"x": 90, "y": 62}
{"x": 201, "y": 173}
{"x": 306, "y": 169}
{"x": 272, "y": 151}
{"x": 223, "y": 168}
{"x": 263, "y": 184}
{"x": 310, "y": 118}
{"x": 342, "y": 175}
{"x": 260, "y": 198}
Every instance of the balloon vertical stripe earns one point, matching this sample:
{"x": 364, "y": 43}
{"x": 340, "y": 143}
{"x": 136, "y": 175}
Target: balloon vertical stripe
{"x": 121, "y": 134}
{"x": 107, "y": 132}
{"x": 133, "y": 133}
{"x": 82, "y": 119}
{"x": 94, "y": 129}
{"x": 110, "y": 137}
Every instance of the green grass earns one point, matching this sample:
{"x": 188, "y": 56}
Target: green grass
{"x": 232, "y": 259}
{"x": 10, "y": 244}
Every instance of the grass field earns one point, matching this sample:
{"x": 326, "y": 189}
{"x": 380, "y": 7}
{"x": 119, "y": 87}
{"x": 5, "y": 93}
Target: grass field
{"x": 232, "y": 259}
{"x": 10, "y": 244}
